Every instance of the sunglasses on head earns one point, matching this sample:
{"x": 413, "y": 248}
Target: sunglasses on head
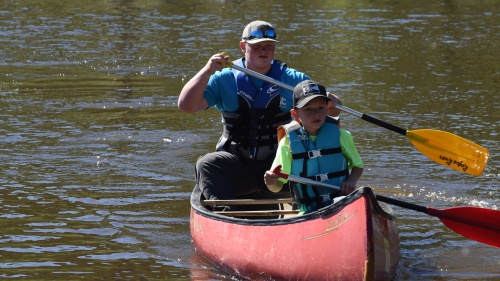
{"x": 269, "y": 33}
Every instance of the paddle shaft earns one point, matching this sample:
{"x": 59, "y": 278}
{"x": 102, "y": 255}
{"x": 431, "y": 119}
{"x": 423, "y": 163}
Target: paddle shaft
{"x": 337, "y": 188}
{"x": 442, "y": 147}
{"x": 441, "y": 214}
{"x": 340, "y": 107}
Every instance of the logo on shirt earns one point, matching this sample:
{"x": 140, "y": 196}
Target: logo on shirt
{"x": 283, "y": 103}
{"x": 246, "y": 96}
{"x": 302, "y": 137}
{"x": 273, "y": 90}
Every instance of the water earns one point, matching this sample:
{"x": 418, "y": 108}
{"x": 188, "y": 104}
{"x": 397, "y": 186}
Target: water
{"x": 97, "y": 162}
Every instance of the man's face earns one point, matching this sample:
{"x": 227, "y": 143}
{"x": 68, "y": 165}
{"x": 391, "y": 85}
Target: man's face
{"x": 259, "y": 55}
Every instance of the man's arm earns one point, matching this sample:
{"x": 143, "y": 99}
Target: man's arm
{"x": 191, "y": 98}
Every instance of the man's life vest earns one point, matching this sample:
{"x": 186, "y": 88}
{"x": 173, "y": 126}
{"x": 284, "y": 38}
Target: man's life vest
{"x": 251, "y": 131}
{"x": 321, "y": 161}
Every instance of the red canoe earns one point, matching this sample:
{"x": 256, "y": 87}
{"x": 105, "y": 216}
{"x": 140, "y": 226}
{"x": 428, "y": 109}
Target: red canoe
{"x": 354, "y": 239}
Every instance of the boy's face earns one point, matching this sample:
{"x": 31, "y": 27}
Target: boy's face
{"x": 312, "y": 115}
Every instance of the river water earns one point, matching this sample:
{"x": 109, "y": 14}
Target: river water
{"x": 96, "y": 160}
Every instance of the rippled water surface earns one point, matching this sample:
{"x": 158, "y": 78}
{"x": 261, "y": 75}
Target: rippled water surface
{"x": 96, "y": 160}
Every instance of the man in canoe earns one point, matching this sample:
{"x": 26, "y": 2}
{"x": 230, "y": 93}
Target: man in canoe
{"x": 251, "y": 109}
{"x": 316, "y": 148}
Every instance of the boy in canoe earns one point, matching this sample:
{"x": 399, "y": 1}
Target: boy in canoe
{"x": 316, "y": 148}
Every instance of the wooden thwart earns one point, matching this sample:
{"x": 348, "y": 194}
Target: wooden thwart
{"x": 257, "y": 213}
{"x": 246, "y": 202}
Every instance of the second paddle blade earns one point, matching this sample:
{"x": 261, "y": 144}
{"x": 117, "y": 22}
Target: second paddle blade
{"x": 475, "y": 223}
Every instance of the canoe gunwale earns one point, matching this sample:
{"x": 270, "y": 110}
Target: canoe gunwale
{"x": 199, "y": 209}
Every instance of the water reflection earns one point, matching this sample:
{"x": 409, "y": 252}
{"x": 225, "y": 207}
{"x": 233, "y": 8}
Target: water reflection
{"x": 97, "y": 162}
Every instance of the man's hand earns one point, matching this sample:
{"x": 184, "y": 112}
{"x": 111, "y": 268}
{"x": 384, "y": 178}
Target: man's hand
{"x": 334, "y": 100}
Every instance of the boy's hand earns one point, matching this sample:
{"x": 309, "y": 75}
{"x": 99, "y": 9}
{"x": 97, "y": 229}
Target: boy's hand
{"x": 270, "y": 178}
{"x": 347, "y": 187}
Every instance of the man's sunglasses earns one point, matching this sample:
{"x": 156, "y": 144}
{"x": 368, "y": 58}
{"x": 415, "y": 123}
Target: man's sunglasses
{"x": 261, "y": 34}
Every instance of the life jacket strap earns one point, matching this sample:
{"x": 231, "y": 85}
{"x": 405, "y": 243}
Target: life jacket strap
{"x": 316, "y": 153}
{"x": 327, "y": 176}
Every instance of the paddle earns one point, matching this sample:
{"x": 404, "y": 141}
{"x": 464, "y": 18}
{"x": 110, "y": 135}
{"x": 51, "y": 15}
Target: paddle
{"x": 480, "y": 224}
{"x": 444, "y": 148}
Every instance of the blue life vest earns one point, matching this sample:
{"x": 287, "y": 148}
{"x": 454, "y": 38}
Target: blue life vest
{"x": 321, "y": 161}
{"x": 251, "y": 131}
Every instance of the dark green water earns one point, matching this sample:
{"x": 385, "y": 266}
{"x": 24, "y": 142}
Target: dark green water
{"x": 96, "y": 161}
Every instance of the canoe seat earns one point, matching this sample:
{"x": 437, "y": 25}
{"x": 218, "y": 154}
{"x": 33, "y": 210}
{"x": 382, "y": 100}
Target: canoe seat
{"x": 265, "y": 213}
{"x": 276, "y": 207}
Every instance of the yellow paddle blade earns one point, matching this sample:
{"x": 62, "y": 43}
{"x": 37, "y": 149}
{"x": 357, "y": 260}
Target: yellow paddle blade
{"x": 450, "y": 150}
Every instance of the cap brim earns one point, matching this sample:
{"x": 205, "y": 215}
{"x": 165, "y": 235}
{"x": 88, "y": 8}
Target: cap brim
{"x": 303, "y": 102}
{"x": 258, "y": 40}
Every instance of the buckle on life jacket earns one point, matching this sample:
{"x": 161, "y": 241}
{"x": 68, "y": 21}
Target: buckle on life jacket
{"x": 326, "y": 197}
{"x": 322, "y": 177}
{"x": 314, "y": 153}
{"x": 319, "y": 199}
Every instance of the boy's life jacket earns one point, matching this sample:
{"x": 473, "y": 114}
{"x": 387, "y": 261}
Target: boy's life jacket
{"x": 251, "y": 131}
{"x": 320, "y": 161}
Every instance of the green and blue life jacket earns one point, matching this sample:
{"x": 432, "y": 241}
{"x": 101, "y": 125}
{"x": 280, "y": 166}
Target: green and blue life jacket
{"x": 320, "y": 161}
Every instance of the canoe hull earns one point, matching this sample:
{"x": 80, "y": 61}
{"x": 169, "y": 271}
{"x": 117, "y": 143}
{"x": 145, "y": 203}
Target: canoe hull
{"x": 352, "y": 240}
